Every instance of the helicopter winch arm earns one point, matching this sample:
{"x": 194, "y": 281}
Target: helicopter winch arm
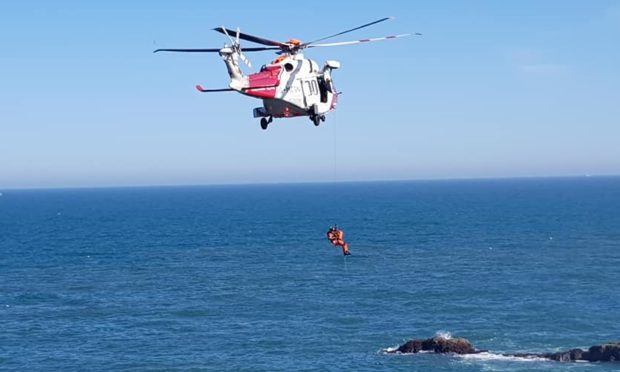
{"x": 360, "y": 41}
{"x": 347, "y": 31}
{"x": 252, "y": 38}
{"x": 213, "y": 50}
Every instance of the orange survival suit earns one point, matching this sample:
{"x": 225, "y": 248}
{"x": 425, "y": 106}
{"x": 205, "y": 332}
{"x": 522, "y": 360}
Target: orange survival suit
{"x": 335, "y": 236}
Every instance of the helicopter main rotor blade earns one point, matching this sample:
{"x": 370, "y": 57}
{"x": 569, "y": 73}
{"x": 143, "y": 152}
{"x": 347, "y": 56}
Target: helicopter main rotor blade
{"x": 359, "y": 41}
{"x": 213, "y": 50}
{"x": 254, "y": 39}
{"x": 259, "y": 49}
{"x": 347, "y": 31}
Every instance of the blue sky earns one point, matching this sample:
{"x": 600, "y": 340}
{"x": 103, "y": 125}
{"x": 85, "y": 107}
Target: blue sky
{"x": 492, "y": 89}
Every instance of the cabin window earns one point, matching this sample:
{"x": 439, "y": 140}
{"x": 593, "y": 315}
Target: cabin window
{"x": 288, "y": 67}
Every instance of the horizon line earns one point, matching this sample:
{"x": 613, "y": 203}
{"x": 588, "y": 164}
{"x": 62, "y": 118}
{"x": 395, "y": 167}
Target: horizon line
{"x": 274, "y": 183}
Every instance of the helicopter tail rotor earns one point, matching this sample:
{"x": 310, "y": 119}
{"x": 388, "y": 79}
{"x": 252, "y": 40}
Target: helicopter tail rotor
{"x": 241, "y": 55}
{"x": 236, "y": 45}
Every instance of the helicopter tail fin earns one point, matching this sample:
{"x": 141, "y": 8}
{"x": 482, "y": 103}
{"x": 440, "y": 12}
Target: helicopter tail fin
{"x": 231, "y": 57}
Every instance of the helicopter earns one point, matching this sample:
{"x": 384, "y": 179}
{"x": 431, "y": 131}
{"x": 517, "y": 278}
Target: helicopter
{"x": 290, "y": 85}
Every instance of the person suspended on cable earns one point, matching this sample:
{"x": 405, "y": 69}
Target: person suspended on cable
{"x": 331, "y": 234}
{"x": 336, "y": 237}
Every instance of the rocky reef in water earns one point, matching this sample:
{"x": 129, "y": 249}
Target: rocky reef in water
{"x": 437, "y": 344}
{"x": 608, "y": 352}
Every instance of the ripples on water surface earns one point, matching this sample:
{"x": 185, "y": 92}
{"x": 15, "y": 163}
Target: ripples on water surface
{"x": 241, "y": 277}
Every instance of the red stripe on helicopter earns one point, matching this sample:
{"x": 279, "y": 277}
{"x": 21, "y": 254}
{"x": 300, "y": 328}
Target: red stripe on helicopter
{"x": 263, "y": 84}
{"x": 261, "y": 92}
{"x": 288, "y": 113}
{"x": 334, "y": 99}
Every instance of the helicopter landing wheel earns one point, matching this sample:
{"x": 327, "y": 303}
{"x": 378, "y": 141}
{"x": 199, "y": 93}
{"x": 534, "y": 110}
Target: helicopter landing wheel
{"x": 322, "y": 117}
{"x": 264, "y": 123}
{"x": 316, "y": 119}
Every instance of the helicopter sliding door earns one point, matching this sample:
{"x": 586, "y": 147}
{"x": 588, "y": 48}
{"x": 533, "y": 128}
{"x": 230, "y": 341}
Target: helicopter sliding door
{"x": 323, "y": 88}
{"x": 311, "y": 91}
{"x": 318, "y": 93}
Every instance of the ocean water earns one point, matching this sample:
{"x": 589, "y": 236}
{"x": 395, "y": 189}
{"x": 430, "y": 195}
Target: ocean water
{"x": 242, "y": 278}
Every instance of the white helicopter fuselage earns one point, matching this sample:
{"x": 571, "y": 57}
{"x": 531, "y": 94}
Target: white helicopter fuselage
{"x": 289, "y": 86}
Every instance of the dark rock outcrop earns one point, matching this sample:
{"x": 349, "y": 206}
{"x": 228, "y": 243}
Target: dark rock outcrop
{"x": 438, "y": 344}
{"x": 563, "y": 356}
{"x": 608, "y": 352}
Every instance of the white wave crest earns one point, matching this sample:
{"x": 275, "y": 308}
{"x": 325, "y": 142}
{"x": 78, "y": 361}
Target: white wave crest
{"x": 393, "y": 350}
{"x": 444, "y": 334}
{"x": 485, "y": 356}
{"x": 390, "y": 349}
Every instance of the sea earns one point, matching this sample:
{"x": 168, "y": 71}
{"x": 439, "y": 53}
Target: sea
{"x": 242, "y": 278}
